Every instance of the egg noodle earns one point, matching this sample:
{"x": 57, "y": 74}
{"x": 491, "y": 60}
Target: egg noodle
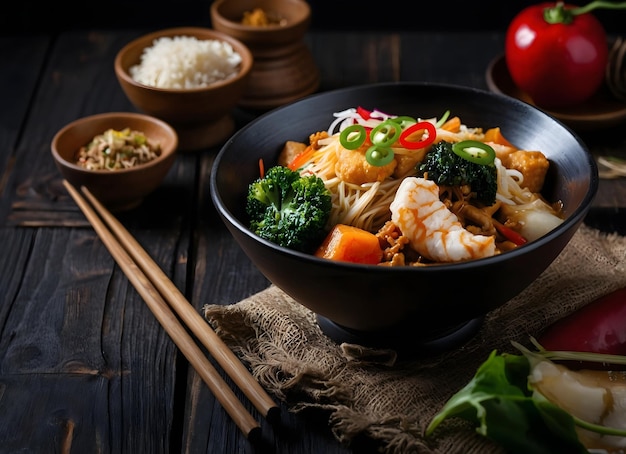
{"x": 366, "y": 205}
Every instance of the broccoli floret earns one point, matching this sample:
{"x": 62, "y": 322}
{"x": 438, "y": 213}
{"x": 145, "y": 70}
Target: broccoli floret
{"x": 289, "y": 209}
{"x": 446, "y": 168}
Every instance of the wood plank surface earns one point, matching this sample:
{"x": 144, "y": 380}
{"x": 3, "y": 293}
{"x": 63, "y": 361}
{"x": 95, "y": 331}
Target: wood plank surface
{"x": 84, "y": 365}
{"x": 81, "y": 354}
{"x": 22, "y": 60}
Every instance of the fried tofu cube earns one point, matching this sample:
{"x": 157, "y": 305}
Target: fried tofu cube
{"x": 290, "y": 151}
{"x": 533, "y": 165}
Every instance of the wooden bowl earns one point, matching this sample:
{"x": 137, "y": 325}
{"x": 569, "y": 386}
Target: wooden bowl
{"x": 202, "y": 116}
{"x": 601, "y": 111}
{"x": 284, "y": 69}
{"x": 117, "y": 189}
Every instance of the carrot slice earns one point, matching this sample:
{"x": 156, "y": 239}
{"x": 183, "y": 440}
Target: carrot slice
{"x": 346, "y": 243}
{"x": 452, "y": 125}
{"x": 495, "y": 135}
{"x": 301, "y": 158}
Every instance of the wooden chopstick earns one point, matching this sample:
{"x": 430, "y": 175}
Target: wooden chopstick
{"x": 149, "y": 280}
{"x": 194, "y": 321}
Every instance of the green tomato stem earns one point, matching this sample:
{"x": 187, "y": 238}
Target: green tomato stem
{"x": 558, "y": 14}
{"x": 597, "y": 4}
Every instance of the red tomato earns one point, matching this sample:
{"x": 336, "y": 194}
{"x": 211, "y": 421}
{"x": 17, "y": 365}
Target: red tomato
{"x": 557, "y": 64}
{"x": 598, "y": 327}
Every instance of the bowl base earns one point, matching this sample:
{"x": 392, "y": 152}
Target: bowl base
{"x": 205, "y": 135}
{"x": 124, "y": 206}
{"x": 403, "y": 339}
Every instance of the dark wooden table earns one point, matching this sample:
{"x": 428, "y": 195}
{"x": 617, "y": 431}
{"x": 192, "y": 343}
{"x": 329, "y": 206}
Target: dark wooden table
{"x": 84, "y": 365}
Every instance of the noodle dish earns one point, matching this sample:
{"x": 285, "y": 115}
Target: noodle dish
{"x": 402, "y": 213}
{"x": 415, "y": 191}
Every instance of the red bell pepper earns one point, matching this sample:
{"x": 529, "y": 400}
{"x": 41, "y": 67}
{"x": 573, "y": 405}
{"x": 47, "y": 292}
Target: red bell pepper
{"x": 364, "y": 113}
{"x": 598, "y": 327}
{"x": 510, "y": 234}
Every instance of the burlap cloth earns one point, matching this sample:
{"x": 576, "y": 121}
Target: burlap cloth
{"x": 390, "y": 401}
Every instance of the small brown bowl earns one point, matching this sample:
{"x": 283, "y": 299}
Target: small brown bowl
{"x": 284, "y": 69}
{"x": 227, "y": 15}
{"x": 202, "y": 116}
{"x": 117, "y": 189}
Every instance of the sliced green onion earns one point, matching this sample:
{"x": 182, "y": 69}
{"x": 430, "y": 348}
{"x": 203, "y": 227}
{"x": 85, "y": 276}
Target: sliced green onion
{"x": 425, "y": 139}
{"x": 443, "y": 119}
{"x": 474, "y": 151}
{"x": 386, "y": 133}
{"x": 353, "y": 137}
{"x": 378, "y": 156}
{"x": 404, "y": 121}
{"x": 140, "y": 139}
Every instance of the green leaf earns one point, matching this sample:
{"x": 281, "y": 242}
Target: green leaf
{"x": 500, "y": 404}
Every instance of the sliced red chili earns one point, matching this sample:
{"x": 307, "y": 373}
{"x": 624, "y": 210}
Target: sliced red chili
{"x": 429, "y": 136}
{"x": 510, "y": 234}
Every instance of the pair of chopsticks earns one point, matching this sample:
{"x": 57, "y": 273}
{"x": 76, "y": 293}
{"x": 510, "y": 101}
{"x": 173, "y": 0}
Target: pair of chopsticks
{"x": 162, "y": 296}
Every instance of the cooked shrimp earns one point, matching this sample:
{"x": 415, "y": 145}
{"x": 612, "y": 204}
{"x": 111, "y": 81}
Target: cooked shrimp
{"x": 433, "y": 230}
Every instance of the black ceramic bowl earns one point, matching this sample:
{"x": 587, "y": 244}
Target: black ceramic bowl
{"x": 385, "y": 306}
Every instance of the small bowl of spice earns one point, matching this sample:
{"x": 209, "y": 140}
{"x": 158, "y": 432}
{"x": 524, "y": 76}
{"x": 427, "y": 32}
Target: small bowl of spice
{"x": 284, "y": 69}
{"x": 121, "y": 157}
{"x": 190, "y": 77}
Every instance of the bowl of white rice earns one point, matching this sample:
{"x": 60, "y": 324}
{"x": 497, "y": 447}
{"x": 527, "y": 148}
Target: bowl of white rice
{"x": 190, "y": 77}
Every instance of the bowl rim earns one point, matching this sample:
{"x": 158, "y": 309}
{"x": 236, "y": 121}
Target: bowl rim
{"x": 166, "y": 153}
{"x": 576, "y": 217}
{"x": 262, "y": 30}
{"x": 245, "y": 68}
